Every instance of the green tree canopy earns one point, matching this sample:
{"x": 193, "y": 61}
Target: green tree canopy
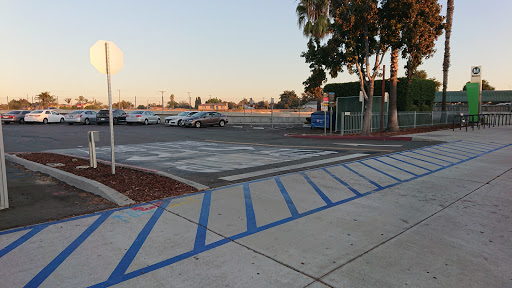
{"x": 45, "y": 99}
{"x": 485, "y": 85}
{"x": 288, "y": 100}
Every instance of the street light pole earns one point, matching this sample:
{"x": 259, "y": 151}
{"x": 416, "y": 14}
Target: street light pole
{"x": 162, "y": 101}
{"x": 189, "y": 100}
{"x": 119, "y": 102}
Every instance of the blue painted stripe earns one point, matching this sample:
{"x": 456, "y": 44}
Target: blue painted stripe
{"x": 55, "y": 263}
{"x": 442, "y": 149}
{"x": 362, "y": 176}
{"x": 286, "y": 196}
{"x": 385, "y": 173}
{"x": 419, "y": 159}
{"x": 128, "y": 257}
{"x": 406, "y": 162}
{"x": 468, "y": 148}
{"x": 342, "y": 182}
{"x": 203, "y": 221}
{"x": 249, "y": 210}
{"x": 428, "y": 156}
{"x": 442, "y": 153}
{"x": 380, "y": 171}
{"x": 481, "y": 144}
{"x": 396, "y": 167}
{"x": 21, "y": 240}
{"x": 318, "y": 190}
{"x": 189, "y": 254}
{"x": 459, "y": 150}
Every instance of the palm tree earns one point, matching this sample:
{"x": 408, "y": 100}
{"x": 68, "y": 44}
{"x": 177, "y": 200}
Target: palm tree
{"x": 446, "y": 61}
{"x": 314, "y": 17}
{"x": 67, "y": 100}
{"x": 45, "y": 99}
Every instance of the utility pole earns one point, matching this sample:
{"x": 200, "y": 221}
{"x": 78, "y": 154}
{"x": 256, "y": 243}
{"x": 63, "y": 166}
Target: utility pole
{"x": 189, "y": 100}
{"x": 119, "y": 103}
{"x": 8, "y": 107}
{"x": 135, "y": 102}
{"x": 162, "y": 101}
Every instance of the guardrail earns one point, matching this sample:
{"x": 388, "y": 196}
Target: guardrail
{"x": 481, "y": 120}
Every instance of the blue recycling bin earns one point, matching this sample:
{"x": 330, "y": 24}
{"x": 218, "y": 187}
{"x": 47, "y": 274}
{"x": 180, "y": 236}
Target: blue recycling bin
{"x": 318, "y": 119}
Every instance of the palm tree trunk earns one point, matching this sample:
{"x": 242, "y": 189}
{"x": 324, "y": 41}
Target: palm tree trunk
{"x": 392, "y": 110}
{"x": 446, "y": 62}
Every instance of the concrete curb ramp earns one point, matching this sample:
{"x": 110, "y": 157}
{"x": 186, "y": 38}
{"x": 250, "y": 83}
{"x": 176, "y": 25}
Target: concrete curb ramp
{"x": 76, "y": 181}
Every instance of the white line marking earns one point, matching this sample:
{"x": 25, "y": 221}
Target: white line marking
{"x": 291, "y": 167}
{"x": 358, "y": 144}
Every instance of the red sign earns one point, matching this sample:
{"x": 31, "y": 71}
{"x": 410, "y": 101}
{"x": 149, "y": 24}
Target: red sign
{"x": 326, "y": 99}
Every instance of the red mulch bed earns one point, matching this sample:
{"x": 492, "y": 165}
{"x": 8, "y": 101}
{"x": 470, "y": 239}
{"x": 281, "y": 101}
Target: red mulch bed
{"x": 137, "y": 185}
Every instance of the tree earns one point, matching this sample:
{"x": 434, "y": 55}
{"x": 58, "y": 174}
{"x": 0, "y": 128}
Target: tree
{"x": 171, "y": 104}
{"x": 422, "y": 74}
{"x": 141, "y": 107}
{"x": 410, "y": 26}
{"x": 288, "y": 100}
{"x": 82, "y": 100}
{"x": 45, "y": 99}
{"x": 18, "y": 104}
{"x": 313, "y": 17}
{"x": 124, "y": 104}
{"x": 446, "y": 60}
{"x": 197, "y": 102}
{"x": 67, "y": 100}
{"x": 213, "y": 100}
{"x": 485, "y": 85}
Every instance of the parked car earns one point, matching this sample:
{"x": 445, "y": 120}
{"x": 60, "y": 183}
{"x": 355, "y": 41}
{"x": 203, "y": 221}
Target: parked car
{"x": 142, "y": 117}
{"x": 103, "y": 116}
{"x": 44, "y": 116}
{"x": 205, "y": 119}
{"x": 80, "y": 117}
{"x": 178, "y": 119}
{"x": 16, "y": 116}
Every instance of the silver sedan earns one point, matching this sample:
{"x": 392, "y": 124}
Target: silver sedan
{"x": 80, "y": 117}
{"x": 142, "y": 117}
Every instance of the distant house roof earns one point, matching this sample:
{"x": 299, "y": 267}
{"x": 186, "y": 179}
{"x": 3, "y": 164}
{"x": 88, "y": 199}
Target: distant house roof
{"x": 487, "y": 96}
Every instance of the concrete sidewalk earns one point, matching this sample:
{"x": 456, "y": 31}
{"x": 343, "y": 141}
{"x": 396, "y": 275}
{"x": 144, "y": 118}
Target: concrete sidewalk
{"x": 436, "y": 216}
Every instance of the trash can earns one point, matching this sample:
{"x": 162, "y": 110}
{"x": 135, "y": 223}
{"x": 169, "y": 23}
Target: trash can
{"x": 318, "y": 118}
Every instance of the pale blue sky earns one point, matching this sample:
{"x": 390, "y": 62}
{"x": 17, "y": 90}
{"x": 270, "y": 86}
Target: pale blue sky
{"x": 228, "y": 49}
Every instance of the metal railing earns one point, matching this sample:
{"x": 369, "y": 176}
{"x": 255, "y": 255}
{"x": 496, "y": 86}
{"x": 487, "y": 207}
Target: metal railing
{"x": 352, "y": 122}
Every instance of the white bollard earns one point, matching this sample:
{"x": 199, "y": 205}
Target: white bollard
{"x": 93, "y": 137}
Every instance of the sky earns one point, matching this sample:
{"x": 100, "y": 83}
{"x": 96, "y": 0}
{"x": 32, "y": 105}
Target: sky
{"x": 226, "y": 49}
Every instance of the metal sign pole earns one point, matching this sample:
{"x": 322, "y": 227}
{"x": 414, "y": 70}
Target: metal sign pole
{"x": 272, "y": 116}
{"x": 110, "y": 114}
{"x": 325, "y": 122}
{"x": 4, "y": 195}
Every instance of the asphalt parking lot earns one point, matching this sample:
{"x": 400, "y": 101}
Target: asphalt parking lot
{"x": 212, "y": 156}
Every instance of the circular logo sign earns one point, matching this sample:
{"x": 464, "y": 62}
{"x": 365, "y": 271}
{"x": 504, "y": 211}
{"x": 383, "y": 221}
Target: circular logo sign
{"x": 476, "y": 70}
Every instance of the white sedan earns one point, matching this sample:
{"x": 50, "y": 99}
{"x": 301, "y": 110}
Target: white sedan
{"x": 44, "y": 116}
{"x": 177, "y": 120}
{"x": 142, "y": 117}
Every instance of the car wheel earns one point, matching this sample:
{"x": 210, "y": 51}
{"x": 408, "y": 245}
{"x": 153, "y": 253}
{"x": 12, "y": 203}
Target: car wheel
{"x": 115, "y": 121}
{"x": 45, "y": 121}
{"x": 86, "y": 121}
{"x": 129, "y": 123}
{"x": 98, "y": 123}
{"x": 198, "y": 124}
{"x": 61, "y": 120}
{"x": 7, "y": 123}
{"x": 158, "y": 121}
{"x": 146, "y": 122}
{"x": 222, "y": 123}
{"x": 22, "y": 121}
{"x": 70, "y": 123}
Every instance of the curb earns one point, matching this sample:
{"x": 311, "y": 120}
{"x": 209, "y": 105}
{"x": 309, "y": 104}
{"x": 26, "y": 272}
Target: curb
{"x": 387, "y": 138}
{"x": 74, "y": 180}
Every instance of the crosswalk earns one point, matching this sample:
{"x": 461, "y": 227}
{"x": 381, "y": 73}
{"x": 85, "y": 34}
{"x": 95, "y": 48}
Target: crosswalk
{"x": 110, "y": 247}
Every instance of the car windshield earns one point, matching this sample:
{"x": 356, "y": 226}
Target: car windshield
{"x": 37, "y": 111}
{"x": 103, "y": 111}
{"x": 183, "y": 114}
{"x": 13, "y": 112}
{"x": 137, "y": 112}
{"x": 76, "y": 112}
